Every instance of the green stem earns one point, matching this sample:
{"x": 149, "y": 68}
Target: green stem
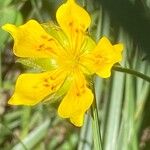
{"x": 84, "y": 3}
{"x": 36, "y": 9}
{"x": 132, "y": 72}
{"x": 0, "y": 70}
{"x": 95, "y": 124}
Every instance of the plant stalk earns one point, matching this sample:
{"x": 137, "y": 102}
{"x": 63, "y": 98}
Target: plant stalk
{"x": 95, "y": 124}
{"x": 132, "y": 72}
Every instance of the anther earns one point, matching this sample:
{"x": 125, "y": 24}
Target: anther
{"x": 44, "y": 37}
{"x": 70, "y": 23}
{"x": 53, "y": 87}
{"x": 42, "y": 45}
{"x": 52, "y": 78}
{"x": 76, "y": 30}
{"x": 78, "y": 94}
{"x": 50, "y": 39}
{"x": 46, "y": 80}
{"x": 46, "y": 85}
{"x": 48, "y": 48}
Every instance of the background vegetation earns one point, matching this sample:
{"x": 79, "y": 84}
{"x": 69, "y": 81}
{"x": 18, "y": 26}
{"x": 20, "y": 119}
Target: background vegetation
{"x": 123, "y": 100}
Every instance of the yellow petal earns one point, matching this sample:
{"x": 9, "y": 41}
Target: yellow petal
{"x": 118, "y": 47}
{"x": 85, "y": 55}
{"x": 31, "y": 40}
{"x": 33, "y": 88}
{"x": 105, "y": 55}
{"x": 77, "y": 119}
{"x": 104, "y": 71}
{"x": 74, "y": 21}
{"x": 76, "y": 102}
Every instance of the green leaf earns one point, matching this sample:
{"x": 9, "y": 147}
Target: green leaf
{"x": 8, "y": 14}
{"x": 113, "y": 122}
{"x": 85, "y": 142}
{"x": 4, "y": 3}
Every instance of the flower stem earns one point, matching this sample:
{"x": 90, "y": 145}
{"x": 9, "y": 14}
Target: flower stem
{"x": 95, "y": 124}
{"x": 132, "y": 72}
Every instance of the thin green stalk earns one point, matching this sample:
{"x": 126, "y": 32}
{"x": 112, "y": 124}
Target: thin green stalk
{"x": 95, "y": 124}
{"x": 26, "y": 112}
{"x": 84, "y": 3}
{"x": 0, "y": 71}
{"x": 15, "y": 136}
{"x": 36, "y": 9}
{"x": 132, "y": 72}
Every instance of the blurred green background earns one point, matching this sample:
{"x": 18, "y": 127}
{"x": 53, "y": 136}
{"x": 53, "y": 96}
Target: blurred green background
{"x": 123, "y": 100}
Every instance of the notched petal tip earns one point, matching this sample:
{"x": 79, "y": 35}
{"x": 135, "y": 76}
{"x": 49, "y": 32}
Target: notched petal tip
{"x": 105, "y": 74}
{"x": 77, "y": 101}
{"x": 31, "y": 40}
{"x": 15, "y": 100}
{"x": 77, "y": 120}
{"x": 67, "y": 16}
{"x": 105, "y": 40}
{"x": 9, "y": 28}
{"x": 106, "y": 55}
{"x": 41, "y": 85}
{"x": 11, "y": 102}
{"x": 119, "y": 47}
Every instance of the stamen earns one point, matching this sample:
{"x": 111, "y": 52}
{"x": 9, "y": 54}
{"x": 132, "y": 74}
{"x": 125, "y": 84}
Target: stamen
{"x": 77, "y": 31}
{"x": 46, "y": 80}
{"x": 48, "y": 48}
{"x": 44, "y": 37}
{"x": 50, "y": 39}
{"x": 70, "y": 23}
{"x": 46, "y": 85}
{"x": 78, "y": 94}
{"x": 53, "y": 87}
{"x": 42, "y": 45}
{"x": 52, "y": 78}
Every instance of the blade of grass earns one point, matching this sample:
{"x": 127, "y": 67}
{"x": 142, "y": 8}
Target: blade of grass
{"x": 25, "y": 117}
{"x": 113, "y": 123}
{"x": 127, "y": 122}
{"x": 85, "y": 142}
{"x": 34, "y": 137}
{"x": 96, "y": 124}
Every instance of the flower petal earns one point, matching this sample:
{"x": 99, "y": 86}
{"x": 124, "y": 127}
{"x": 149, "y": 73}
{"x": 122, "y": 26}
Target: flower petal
{"x": 31, "y": 40}
{"x": 77, "y": 101}
{"x": 74, "y": 21}
{"x": 77, "y": 119}
{"x": 103, "y": 57}
{"x": 86, "y": 49}
{"x": 32, "y": 88}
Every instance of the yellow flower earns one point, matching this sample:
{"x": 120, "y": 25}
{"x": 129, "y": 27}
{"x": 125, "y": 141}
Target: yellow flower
{"x": 74, "y": 54}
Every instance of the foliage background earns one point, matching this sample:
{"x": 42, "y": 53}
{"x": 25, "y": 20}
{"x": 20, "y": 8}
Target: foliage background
{"x": 123, "y": 100}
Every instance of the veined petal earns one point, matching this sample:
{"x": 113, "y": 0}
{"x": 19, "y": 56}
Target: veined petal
{"x": 77, "y": 101}
{"x": 57, "y": 33}
{"x": 32, "y": 88}
{"x": 103, "y": 57}
{"x": 31, "y": 40}
{"x": 74, "y": 21}
{"x": 86, "y": 50}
